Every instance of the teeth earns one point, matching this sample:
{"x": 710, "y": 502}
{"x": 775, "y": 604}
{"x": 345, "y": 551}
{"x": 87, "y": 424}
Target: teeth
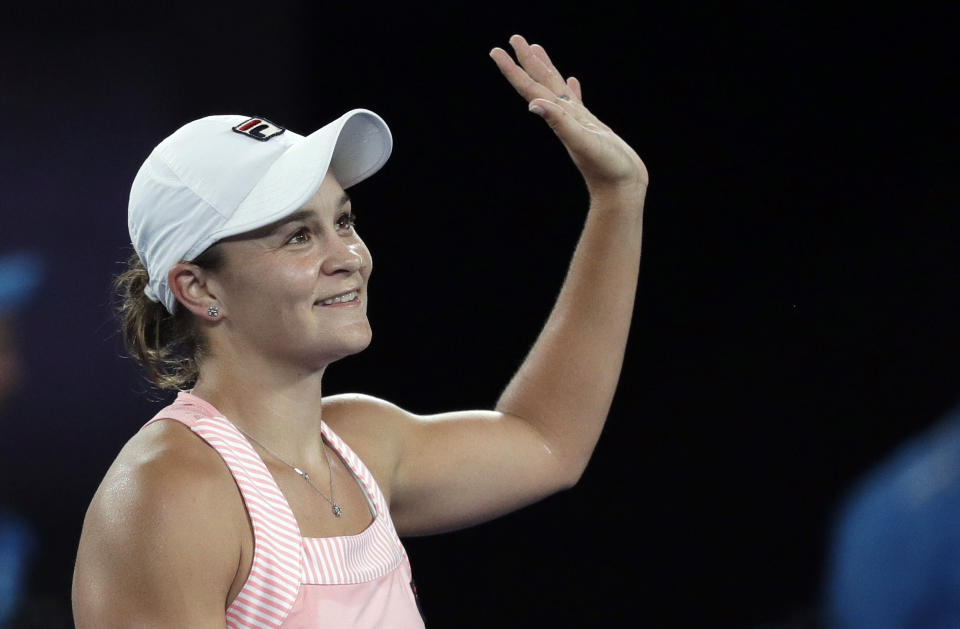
{"x": 341, "y": 298}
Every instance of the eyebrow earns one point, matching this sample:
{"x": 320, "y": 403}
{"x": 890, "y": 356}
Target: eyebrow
{"x": 299, "y": 215}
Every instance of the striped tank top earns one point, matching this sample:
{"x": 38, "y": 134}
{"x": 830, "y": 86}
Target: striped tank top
{"x": 297, "y": 582}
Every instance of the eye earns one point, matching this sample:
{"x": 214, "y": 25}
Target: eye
{"x": 346, "y": 221}
{"x": 299, "y": 237}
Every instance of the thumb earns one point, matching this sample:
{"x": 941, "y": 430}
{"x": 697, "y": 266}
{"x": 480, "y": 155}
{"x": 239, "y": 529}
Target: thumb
{"x": 563, "y": 124}
{"x": 549, "y": 111}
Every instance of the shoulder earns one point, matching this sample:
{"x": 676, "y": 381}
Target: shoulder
{"x": 373, "y": 428}
{"x": 167, "y": 497}
{"x": 165, "y": 467}
{"x": 357, "y": 406}
{"x": 367, "y": 418}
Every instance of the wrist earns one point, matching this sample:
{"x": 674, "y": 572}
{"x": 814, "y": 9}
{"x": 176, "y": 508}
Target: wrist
{"x": 624, "y": 195}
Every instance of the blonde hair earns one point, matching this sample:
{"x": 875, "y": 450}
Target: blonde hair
{"x": 167, "y": 346}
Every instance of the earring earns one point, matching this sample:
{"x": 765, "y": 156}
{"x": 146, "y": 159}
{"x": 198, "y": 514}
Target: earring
{"x": 213, "y": 311}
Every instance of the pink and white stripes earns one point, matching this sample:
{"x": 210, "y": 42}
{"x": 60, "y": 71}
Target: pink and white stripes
{"x": 356, "y": 558}
{"x": 282, "y": 558}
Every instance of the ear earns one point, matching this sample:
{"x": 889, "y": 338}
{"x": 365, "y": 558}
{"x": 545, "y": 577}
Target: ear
{"x": 189, "y": 285}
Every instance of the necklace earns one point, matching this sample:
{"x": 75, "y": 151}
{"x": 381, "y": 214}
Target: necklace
{"x": 334, "y": 507}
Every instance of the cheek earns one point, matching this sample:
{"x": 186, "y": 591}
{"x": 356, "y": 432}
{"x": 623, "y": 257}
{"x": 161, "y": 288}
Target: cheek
{"x": 295, "y": 285}
{"x": 298, "y": 277}
{"x": 267, "y": 286}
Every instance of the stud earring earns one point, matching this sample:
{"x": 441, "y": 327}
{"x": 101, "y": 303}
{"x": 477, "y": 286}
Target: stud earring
{"x": 213, "y": 311}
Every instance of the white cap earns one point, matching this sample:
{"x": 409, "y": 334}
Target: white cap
{"x": 225, "y": 175}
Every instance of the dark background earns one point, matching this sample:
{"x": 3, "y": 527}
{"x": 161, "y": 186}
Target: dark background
{"x": 795, "y": 319}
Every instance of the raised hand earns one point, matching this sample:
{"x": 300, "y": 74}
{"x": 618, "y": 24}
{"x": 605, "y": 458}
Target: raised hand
{"x": 608, "y": 164}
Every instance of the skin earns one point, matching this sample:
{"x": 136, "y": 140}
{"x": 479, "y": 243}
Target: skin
{"x": 169, "y": 497}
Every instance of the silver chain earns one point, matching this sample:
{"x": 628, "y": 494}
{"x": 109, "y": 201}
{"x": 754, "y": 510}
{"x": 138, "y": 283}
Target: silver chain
{"x": 334, "y": 507}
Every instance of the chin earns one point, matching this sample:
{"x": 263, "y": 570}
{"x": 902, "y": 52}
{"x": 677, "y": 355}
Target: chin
{"x": 360, "y": 345}
{"x": 350, "y": 344}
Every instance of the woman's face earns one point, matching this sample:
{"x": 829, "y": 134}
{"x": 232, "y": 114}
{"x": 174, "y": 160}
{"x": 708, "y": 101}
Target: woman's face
{"x": 296, "y": 290}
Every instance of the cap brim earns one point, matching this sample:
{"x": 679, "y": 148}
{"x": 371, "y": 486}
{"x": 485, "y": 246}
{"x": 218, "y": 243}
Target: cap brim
{"x": 353, "y": 147}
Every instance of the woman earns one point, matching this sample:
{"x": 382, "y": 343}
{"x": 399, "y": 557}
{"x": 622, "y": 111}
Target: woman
{"x": 287, "y": 513}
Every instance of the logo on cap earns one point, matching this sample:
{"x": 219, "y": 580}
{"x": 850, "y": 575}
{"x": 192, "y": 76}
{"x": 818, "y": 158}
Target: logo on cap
{"x": 259, "y": 129}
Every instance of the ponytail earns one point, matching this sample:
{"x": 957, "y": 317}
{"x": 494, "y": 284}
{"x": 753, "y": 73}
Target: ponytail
{"x": 167, "y": 346}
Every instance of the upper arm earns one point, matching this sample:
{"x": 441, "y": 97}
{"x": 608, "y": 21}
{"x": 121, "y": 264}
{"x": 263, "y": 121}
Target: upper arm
{"x": 450, "y": 470}
{"x": 158, "y": 547}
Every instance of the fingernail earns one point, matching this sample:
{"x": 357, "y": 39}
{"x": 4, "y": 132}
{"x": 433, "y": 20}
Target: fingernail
{"x": 537, "y": 109}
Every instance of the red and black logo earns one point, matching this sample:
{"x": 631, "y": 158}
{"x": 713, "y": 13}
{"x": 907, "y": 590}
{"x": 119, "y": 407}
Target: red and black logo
{"x": 416, "y": 598}
{"x": 259, "y": 129}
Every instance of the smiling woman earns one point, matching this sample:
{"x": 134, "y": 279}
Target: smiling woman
{"x": 253, "y": 500}
{"x": 273, "y": 286}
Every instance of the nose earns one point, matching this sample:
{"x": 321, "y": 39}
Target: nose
{"x": 342, "y": 257}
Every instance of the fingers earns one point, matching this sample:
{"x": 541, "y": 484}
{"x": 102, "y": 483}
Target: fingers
{"x": 529, "y": 79}
{"x": 521, "y": 81}
{"x": 539, "y": 51}
{"x": 602, "y": 157}
{"x": 536, "y": 62}
{"x": 535, "y": 76}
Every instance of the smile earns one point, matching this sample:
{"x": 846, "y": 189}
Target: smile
{"x": 341, "y": 299}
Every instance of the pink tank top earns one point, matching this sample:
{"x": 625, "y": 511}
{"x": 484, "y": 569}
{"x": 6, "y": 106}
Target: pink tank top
{"x": 297, "y": 582}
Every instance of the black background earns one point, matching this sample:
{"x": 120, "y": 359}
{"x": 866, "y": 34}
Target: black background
{"x": 795, "y": 319}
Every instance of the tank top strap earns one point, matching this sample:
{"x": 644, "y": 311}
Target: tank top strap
{"x": 186, "y": 409}
{"x": 359, "y": 469}
{"x": 361, "y": 558}
{"x": 272, "y": 587}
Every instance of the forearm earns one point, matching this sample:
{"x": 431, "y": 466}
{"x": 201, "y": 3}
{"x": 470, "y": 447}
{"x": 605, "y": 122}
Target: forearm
{"x": 566, "y": 384}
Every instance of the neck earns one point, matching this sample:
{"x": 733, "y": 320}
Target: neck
{"x": 279, "y": 406}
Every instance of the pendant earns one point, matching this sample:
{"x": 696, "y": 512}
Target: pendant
{"x": 337, "y": 511}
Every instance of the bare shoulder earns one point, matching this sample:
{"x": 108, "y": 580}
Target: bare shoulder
{"x": 373, "y": 428}
{"x": 162, "y": 469}
{"x": 164, "y": 528}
